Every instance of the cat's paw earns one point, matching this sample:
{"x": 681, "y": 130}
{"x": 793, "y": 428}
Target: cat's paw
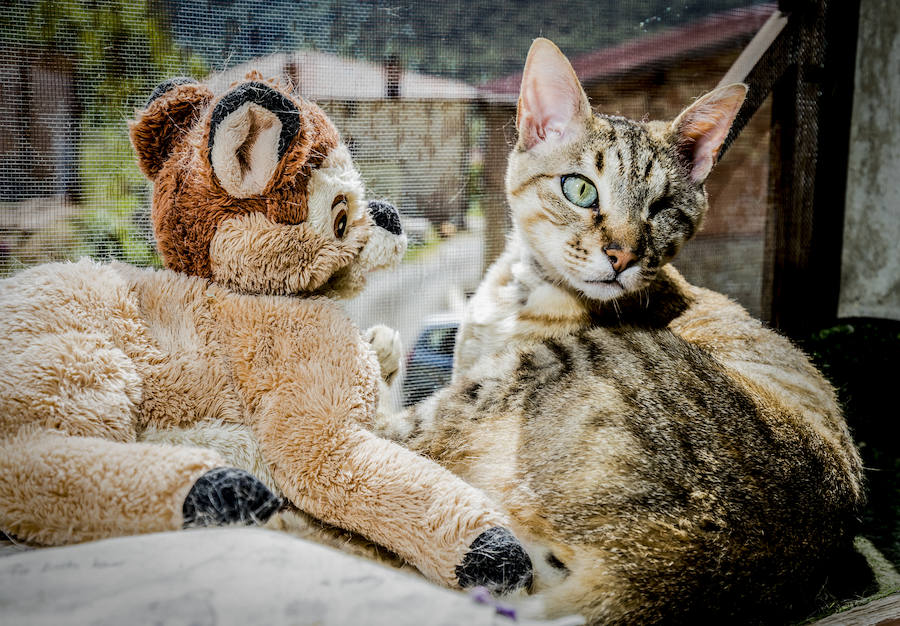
{"x": 386, "y": 343}
{"x": 496, "y": 560}
{"x": 226, "y": 495}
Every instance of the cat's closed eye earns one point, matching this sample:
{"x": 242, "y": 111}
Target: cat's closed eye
{"x": 656, "y": 206}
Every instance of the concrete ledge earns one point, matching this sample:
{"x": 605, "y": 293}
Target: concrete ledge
{"x": 220, "y": 577}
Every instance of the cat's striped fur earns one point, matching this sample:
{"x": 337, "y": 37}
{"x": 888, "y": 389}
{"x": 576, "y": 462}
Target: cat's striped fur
{"x": 666, "y": 457}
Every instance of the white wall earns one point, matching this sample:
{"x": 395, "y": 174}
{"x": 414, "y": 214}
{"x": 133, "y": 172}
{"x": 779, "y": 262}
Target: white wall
{"x": 870, "y": 268}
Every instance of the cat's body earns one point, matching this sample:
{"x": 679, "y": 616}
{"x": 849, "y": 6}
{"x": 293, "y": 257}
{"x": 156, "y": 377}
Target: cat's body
{"x": 657, "y": 472}
{"x": 665, "y": 456}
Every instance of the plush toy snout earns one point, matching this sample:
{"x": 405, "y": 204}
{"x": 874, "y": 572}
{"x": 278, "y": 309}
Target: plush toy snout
{"x": 384, "y": 248}
{"x": 386, "y": 216}
{"x": 387, "y": 243}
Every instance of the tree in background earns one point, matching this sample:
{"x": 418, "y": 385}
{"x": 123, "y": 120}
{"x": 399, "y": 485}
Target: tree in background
{"x": 460, "y": 39}
{"x": 116, "y": 51}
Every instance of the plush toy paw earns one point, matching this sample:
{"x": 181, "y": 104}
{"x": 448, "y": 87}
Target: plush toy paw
{"x": 496, "y": 560}
{"x": 226, "y": 495}
{"x": 386, "y": 343}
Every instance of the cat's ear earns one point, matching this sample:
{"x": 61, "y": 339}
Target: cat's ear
{"x": 699, "y": 131}
{"x": 551, "y": 100}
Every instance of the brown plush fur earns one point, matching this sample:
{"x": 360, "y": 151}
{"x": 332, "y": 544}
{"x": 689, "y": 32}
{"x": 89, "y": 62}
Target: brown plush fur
{"x": 107, "y": 365}
{"x": 162, "y": 125}
{"x": 185, "y": 217}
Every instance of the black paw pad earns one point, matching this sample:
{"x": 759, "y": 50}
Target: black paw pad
{"x": 496, "y": 560}
{"x": 226, "y": 495}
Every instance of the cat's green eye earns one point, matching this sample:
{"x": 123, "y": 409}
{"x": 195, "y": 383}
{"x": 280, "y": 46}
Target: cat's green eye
{"x": 579, "y": 190}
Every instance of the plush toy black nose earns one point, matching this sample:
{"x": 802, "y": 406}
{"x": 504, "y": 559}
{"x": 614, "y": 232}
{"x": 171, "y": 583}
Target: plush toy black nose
{"x": 386, "y": 216}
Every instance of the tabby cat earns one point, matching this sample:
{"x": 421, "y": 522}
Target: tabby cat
{"x": 665, "y": 457}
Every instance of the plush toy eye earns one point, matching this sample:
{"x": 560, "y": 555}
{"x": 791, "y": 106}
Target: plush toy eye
{"x": 339, "y": 211}
{"x": 579, "y": 190}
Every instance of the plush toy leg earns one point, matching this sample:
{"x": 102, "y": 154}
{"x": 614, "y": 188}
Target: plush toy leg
{"x": 70, "y": 469}
{"x": 344, "y": 475}
{"x": 57, "y": 489}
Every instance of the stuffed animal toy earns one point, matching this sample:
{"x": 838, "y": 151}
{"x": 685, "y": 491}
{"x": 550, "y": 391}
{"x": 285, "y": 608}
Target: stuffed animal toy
{"x": 258, "y": 214}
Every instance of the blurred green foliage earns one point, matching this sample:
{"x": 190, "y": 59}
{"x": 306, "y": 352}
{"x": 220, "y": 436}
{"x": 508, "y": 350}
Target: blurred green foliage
{"x": 119, "y": 50}
{"x": 118, "y": 226}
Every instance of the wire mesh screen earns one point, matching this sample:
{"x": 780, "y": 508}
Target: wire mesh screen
{"x": 424, "y": 94}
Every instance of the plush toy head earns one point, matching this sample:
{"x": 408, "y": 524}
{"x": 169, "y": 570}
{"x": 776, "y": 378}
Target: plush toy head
{"x": 255, "y": 190}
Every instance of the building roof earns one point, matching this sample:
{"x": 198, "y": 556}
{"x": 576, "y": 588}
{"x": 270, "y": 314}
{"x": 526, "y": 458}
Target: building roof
{"x": 324, "y": 76}
{"x": 707, "y": 34}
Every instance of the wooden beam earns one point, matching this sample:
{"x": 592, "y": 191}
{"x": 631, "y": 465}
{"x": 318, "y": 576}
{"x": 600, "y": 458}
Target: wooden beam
{"x": 760, "y": 65}
{"x": 751, "y": 56}
{"x": 883, "y": 612}
{"x": 836, "y": 86}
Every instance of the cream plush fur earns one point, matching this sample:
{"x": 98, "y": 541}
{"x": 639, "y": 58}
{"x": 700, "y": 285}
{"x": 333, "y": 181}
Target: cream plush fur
{"x": 108, "y": 367}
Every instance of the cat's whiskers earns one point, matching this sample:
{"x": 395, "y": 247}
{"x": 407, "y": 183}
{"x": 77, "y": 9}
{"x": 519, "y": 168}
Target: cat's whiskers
{"x": 615, "y": 304}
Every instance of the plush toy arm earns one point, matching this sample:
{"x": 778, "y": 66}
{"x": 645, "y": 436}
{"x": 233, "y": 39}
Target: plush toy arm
{"x": 331, "y": 467}
{"x": 60, "y": 489}
{"x": 309, "y": 383}
{"x": 385, "y": 341}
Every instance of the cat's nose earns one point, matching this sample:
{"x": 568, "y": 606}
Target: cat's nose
{"x": 621, "y": 258}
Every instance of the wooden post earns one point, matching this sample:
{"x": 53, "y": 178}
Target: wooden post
{"x": 811, "y": 107}
{"x": 760, "y": 65}
{"x": 500, "y": 133}
{"x": 804, "y": 56}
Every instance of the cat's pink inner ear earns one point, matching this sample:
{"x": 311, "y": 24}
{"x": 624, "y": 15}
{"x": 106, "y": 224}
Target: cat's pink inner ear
{"x": 551, "y": 99}
{"x": 702, "y": 127}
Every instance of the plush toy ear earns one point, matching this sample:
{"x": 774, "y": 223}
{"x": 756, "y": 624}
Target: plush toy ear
{"x": 700, "y": 129}
{"x": 171, "y": 110}
{"x": 250, "y": 130}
